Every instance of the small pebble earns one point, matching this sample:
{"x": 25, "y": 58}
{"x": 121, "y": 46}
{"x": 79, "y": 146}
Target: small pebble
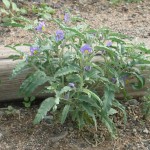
{"x": 133, "y": 102}
{"x": 145, "y": 131}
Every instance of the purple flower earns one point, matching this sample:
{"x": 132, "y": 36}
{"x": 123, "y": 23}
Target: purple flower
{"x": 109, "y": 43}
{"x": 59, "y": 35}
{"x": 41, "y": 26}
{"x": 87, "y": 68}
{"x": 86, "y": 49}
{"x": 66, "y": 17}
{"x": 72, "y": 85}
{"x": 34, "y": 50}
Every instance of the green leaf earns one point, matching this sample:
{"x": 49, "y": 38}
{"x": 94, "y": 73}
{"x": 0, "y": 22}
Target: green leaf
{"x": 112, "y": 111}
{"x": 46, "y": 106}
{"x": 90, "y": 112}
{"x": 32, "y": 82}
{"x": 6, "y": 3}
{"x": 13, "y": 24}
{"x": 20, "y": 67}
{"x": 14, "y": 57}
{"x": 116, "y": 39}
{"x": 109, "y": 124}
{"x": 141, "y": 82}
{"x": 4, "y": 11}
{"x": 65, "y": 89}
{"x": 66, "y": 70}
{"x": 75, "y": 31}
{"x": 14, "y": 7}
{"x": 65, "y": 113}
{"x": 108, "y": 98}
{"x": 90, "y": 101}
{"x": 111, "y": 51}
{"x": 92, "y": 94}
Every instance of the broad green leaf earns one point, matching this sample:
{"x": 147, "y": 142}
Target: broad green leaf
{"x": 90, "y": 112}
{"x": 108, "y": 98}
{"x": 109, "y": 124}
{"x": 3, "y": 11}
{"x": 92, "y": 94}
{"x": 112, "y": 111}
{"x": 14, "y": 7}
{"x": 32, "y": 82}
{"x": 66, "y": 70}
{"x": 6, "y": 3}
{"x": 141, "y": 82}
{"x": 46, "y": 106}
{"x": 90, "y": 101}
{"x": 75, "y": 31}
{"x": 65, "y": 89}
{"x": 65, "y": 113}
{"x": 20, "y": 67}
{"x": 116, "y": 39}
{"x": 13, "y": 24}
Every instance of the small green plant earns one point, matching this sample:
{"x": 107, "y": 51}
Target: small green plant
{"x": 11, "y": 14}
{"x": 43, "y": 11}
{"x": 28, "y": 101}
{"x": 10, "y": 111}
{"x": 81, "y": 86}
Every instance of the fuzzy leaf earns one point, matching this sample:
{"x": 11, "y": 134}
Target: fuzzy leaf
{"x": 92, "y": 94}
{"x": 46, "y": 106}
{"x": 18, "y": 69}
{"x": 32, "y": 82}
{"x": 14, "y": 7}
{"x": 65, "y": 113}
{"x": 65, "y": 89}
{"x": 6, "y": 3}
{"x": 66, "y": 70}
{"x": 90, "y": 112}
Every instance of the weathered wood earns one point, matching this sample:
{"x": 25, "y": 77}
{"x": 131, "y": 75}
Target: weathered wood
{"x": 5, "y": 52}
{"x": 9, "y": 88}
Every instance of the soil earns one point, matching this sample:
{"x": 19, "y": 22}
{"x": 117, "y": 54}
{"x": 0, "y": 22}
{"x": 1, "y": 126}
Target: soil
{"x": 17, "y": 131}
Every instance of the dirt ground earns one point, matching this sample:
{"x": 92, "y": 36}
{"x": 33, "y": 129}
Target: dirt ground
{"x": 17, "y": 131}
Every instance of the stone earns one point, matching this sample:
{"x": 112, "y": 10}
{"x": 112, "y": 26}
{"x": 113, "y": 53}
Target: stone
{"x": 133, "y": 102}
{"x": 145, "y": 131}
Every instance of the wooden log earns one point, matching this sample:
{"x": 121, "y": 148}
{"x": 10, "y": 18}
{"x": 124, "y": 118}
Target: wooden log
{"x": 9, "y": 88}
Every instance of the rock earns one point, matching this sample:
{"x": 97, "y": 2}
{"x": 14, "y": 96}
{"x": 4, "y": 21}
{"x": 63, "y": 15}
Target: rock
{"x": 133, "y": 102}
{"x": 134, "y": 132}
{"x": 145, "y": 131}
{"x": 59, "y": 137}
{"x": 124, "y": 9}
